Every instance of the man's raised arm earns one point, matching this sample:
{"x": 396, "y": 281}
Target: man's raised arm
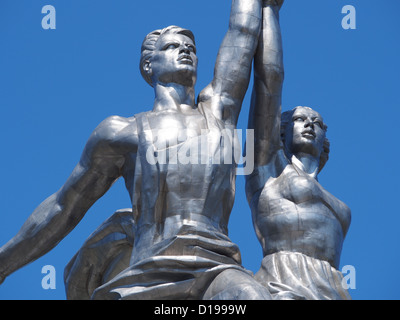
{"x": 265, "y": 111}
{"x": 55, "y": 217}
{"x": 235, "y": 56}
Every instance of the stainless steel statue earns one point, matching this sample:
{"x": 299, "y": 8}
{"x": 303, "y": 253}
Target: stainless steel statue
{"x": 173, "y": 244}
{"x": 300, "y": 226}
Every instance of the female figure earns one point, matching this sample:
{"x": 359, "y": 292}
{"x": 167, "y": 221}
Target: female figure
{"x": 300, "y": 226}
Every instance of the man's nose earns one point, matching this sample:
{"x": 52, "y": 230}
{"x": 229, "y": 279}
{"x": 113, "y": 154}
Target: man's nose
{"x": 184, "y": 49}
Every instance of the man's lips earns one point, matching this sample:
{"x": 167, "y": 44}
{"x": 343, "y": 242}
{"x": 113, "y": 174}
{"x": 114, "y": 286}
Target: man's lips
{"x": 186, "y": 59}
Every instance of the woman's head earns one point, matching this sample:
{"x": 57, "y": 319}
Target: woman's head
{"x": 303, "y": 130}
{"x": 149, "y": 47}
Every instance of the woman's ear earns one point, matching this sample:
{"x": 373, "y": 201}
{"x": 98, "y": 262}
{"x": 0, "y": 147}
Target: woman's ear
{"x": 147, "y": 67}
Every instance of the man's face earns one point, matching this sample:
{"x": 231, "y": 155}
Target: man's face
{"x": 306, "y": 134}
{"x": 174, "y": 60}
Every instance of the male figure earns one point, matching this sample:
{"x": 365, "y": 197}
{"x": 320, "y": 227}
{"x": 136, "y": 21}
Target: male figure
{"x": 300, "y": 226}
{"x": 180, "y": 210}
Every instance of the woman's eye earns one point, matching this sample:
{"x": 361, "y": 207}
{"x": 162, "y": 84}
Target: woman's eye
{"x": 318, "y": 123}
{"x": 298, "y": 119}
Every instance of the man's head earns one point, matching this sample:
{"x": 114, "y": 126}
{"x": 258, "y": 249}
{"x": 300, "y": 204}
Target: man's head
{"x": 303, "y": 131}
{"x": 169, "y": 55}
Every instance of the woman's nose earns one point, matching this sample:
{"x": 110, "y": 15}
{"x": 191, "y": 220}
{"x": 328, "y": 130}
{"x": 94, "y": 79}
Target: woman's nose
{"x": 308, "y": 123}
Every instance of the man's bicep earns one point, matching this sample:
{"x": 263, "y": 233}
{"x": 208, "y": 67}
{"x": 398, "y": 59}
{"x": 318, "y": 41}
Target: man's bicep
{"x": 233, "y": 66}
{"x": 101, "y": 163}
{"x": 227, "y": 90}
{"x": 86, "y": 182}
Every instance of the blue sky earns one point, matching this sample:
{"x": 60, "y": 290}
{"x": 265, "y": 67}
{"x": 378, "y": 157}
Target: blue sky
{"x": 56, "y": 86}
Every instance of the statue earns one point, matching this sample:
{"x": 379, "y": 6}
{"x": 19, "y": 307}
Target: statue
{"x": 173, "y": 243}
{"x": 300, "y": 226}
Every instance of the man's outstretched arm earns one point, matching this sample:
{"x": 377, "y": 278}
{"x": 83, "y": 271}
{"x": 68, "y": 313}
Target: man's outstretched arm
{"x": 55, "y": 217}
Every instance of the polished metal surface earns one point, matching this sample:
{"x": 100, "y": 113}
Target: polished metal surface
{"x": 178, "y": 170}
{"x": 178, "y": 238}
{"x": 300, "y": 225}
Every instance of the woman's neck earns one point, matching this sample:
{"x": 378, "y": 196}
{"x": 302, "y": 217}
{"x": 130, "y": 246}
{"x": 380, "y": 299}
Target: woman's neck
{"x": 307, "y": 163}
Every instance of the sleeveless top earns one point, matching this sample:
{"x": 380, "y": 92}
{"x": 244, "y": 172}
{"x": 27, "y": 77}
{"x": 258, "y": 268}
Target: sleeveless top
{"x": 180, "y": 213}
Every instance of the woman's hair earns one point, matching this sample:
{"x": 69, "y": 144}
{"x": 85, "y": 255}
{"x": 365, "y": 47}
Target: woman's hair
{"x": 286, "y": 119}
{"x": 148, "y": 46}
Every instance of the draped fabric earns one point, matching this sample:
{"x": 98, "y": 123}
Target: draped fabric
{"x": 104, "y": 254}
{"x": 101, "y": 268}
{"x": 165, "y": 277}
{"x": 295, "y": 276}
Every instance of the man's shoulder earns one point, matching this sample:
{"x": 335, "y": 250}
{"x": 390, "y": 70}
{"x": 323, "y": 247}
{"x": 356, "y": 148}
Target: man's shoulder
{"x": 114, "y": 126}
{"x": 114, "y": 135}
{"x": 118, "y": 121}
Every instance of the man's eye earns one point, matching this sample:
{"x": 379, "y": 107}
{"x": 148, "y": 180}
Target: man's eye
{"x": 298, "y": 119}
{"x": 171, "y": 46}
{"x": 192, "y": 49}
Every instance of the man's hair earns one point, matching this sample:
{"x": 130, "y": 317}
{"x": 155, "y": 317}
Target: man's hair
{"x": 148, "y": 46}
{"x": 286, "y": 119}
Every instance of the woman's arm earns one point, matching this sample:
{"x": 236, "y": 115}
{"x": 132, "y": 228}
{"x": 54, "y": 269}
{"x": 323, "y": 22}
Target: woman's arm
{"x": 233, "y": 67}
{"x": 265, "y": 110}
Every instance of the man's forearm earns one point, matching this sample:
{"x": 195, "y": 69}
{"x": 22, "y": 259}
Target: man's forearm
{"x": 35, "y": 238}
{"x": 43, "y": 230}
{"x": 246, "y": 16}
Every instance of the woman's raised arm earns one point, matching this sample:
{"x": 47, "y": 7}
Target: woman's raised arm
{"x": 265, "y": 110}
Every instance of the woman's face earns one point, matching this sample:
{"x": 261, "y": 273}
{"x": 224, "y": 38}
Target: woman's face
{"x": 174, "y": 60}
{"x": 306, "y": 133}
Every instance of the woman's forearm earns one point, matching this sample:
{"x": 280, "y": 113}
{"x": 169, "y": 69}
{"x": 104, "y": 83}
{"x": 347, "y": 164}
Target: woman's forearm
{"x": 266, "y": 100}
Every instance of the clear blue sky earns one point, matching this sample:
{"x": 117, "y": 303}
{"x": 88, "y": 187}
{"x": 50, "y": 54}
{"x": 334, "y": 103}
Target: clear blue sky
{"x": 56, "y": 86}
